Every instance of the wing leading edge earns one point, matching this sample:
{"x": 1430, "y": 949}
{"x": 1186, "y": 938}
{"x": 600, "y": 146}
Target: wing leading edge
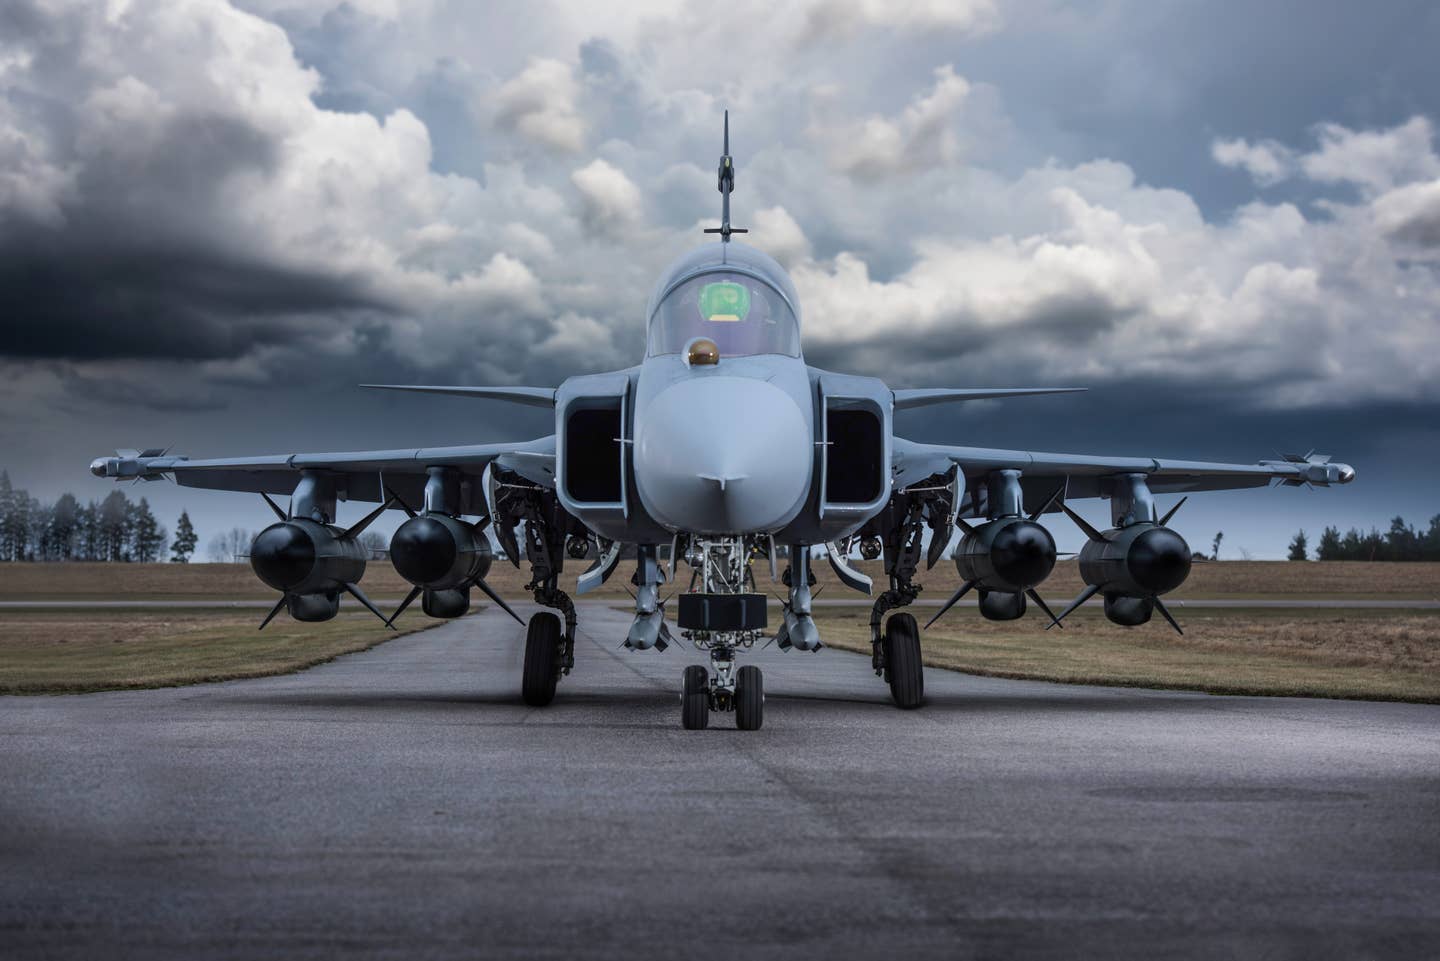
{"x": 1089, "y": 475}
{"x": 358, "y": 475}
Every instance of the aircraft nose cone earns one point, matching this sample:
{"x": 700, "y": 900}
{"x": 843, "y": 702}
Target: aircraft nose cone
{"x": 723, "y": 455}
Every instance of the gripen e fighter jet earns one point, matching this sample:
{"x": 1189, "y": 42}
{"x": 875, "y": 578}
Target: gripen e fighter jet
{"x": 725, "y": 445}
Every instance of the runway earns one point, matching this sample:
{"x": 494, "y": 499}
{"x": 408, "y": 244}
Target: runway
{"x": 403, "y": 803}
{"x": 1300, "y": 603}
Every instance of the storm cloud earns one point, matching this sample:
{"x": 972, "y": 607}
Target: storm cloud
{"x": 228, "y": 202}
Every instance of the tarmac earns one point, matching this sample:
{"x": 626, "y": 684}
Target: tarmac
{"x": 404, "y": 803}
{"x": 1318, "y": 603}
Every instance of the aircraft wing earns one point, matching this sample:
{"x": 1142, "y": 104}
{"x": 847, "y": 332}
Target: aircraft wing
{"x": 1088, "y": 475}
{"x": 360, "y": 475}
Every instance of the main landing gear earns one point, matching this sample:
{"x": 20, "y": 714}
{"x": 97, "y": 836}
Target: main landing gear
{"x": 549, "y": 641}
{"x": 741, "y": 691}
{"x": 544, "y": 659}
{"x": 899, "y": 528}
{"x": 901, "y": 664}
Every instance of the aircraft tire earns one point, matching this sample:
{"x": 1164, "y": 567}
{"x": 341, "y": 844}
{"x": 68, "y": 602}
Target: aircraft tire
{"x": 542, "y": 659}
{"x": 749, "y": 698}
{"x": 695, "y": 698}
{"x": 903, "y": 667}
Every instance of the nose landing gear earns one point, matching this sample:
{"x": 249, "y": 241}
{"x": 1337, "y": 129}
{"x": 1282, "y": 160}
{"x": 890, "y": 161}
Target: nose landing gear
{"x": 741, "y": 691}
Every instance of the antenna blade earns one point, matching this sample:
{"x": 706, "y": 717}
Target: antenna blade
{"x": 358, "y": 529}
{"x": 1083, "y": 524}
{"x": 964, "y": 589}
{"x": 490, "y": 593}
{"x": 396, "y": 498}
{"x": 409, "y": 599}
{"x": 1085, "y": 595}
{"x": 1171, "y": 512}
{"x": 355, "y": 592}
{"x": 1165, "y": 613}
{"x": 1046, "y": 506}
{"x": 273, "y": 611}
{"x": 274, "y": 506}
{"x": 1034, "y": 595}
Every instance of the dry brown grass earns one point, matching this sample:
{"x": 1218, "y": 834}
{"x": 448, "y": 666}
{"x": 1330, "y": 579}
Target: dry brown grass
{"x": 1227, "y": 579}
{"x": 51, "y": 652}
{"x": 1353, "y": 580}
{"x": 1371, "y": 654}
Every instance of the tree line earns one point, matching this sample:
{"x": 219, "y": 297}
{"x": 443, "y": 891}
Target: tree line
{"x": 1402, "y": 542}
{"x": 113, "y": 529}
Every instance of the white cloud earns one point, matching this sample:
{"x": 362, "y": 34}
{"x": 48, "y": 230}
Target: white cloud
{"x": 1266, "y": 161}
{"x": 1375, "y": 160}
{"x": 540, "y": 104}
{"x": 608, "y": 195}
{"x": 1411, "y": 213}
{"x": 964, "y": 16}
{"x": 777, "y": 233}
{"x": 922, "y": 135}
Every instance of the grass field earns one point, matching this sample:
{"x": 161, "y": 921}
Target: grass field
{"x": 1353, "y": 580}
{"x": 1372, "y": 654}
{"x": 56, "y": 651}
{"x": 1336, "y": 653}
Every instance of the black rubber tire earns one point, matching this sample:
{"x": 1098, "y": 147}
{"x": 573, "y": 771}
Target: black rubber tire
{"x": 749, "y": 698}
{"x": 542, "y": 659}
{"x": 695, "y": 698}
{"x": 903, "y": 667}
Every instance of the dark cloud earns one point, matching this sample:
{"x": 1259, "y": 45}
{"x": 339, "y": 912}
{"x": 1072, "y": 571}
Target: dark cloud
{"x": 158, "y": 302}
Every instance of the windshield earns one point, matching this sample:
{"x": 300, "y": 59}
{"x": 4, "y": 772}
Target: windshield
{"x": 741, "y": 314}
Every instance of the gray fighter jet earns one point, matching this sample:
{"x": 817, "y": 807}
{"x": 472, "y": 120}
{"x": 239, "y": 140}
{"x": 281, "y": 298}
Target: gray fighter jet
{"x": 723, "y": 445}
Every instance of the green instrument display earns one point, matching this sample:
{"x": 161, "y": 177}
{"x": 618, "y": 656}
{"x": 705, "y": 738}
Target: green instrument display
{"x": 724, "y": 301}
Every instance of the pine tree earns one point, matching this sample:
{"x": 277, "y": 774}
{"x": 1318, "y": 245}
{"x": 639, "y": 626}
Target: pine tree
{"x": 114, "y": 519}
{"x": 184, "y": 544}
{"x": 1329, "y": 547}
{"x": 7, "y": 544}
{"x": 147, "y": 537}
{"x": 64, "y": 523}
{"x": 1215, "y": 547}
{"x": 1298, "y": 548}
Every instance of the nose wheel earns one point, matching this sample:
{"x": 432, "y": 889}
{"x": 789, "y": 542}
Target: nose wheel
{"x": 741, "y": 691}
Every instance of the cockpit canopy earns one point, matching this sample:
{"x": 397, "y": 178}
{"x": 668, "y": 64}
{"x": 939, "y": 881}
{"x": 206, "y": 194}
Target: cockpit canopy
{"x": 737, "y": 297}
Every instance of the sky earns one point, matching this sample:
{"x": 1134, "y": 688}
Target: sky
{"x": 217, "y": 218}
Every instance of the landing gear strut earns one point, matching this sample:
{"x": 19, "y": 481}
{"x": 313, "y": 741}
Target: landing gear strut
{"x": 549, "y": 647}
{"x": 895, "y": 650}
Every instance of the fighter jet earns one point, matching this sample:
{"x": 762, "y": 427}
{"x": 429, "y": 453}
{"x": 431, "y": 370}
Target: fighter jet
{"x": 723, "y": 445}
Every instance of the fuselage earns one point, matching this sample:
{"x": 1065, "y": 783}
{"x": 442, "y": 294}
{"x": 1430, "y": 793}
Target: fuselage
{"x": 723, "y": 428}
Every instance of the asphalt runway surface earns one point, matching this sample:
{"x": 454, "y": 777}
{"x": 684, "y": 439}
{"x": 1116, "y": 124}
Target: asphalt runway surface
{"x": 1368, "y": 603}
{"x": 403, "y": 803}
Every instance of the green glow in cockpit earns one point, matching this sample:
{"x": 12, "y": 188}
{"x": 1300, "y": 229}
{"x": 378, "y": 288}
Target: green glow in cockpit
{"x": 724, "y": 301}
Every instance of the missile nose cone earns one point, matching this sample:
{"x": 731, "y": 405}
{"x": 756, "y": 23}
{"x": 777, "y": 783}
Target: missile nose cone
{"x": 720, "y": 454}
{"x": 97, "y": 467}
{"x": 1023, "y": 554}
{"x": 422, "y": 550}
{"x": 1347, "y": 473}
{"x": 1159, "y": 560}
{"x": 283, "y": 555}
